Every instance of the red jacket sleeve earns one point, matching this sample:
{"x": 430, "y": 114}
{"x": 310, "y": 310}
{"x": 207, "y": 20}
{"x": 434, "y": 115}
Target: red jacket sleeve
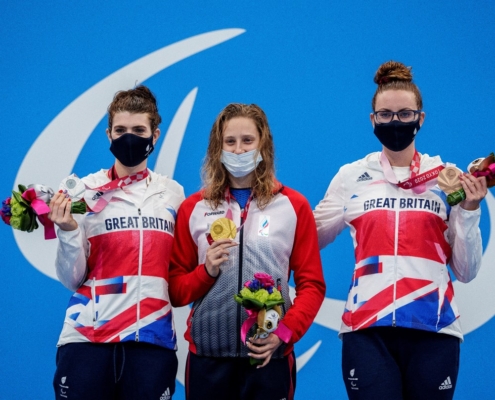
{"x": 188, "y": 281}
{"x": 305, "y": 262}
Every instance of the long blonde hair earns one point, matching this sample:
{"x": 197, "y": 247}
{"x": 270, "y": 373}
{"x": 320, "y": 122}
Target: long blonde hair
{"x": 215, "y": 176}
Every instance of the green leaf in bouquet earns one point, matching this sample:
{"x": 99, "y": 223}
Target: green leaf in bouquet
{"x": 25, "y": 222}
{"x": 32, "y": 219}
{"x": 78, "y": 207}
{"x": 255, "y": 361}
{"x": 271, "y": 303}
{"x": 22, "y": 188}
{"x": 252, "y": 304}
{"x": 19, "y": 199}
{"x": 17, "y": 196}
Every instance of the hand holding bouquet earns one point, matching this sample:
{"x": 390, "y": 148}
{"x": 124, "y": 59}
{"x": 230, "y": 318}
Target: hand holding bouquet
{"x": 30, "y": 203}
{"x": 262, "y": 300}
{"x": 449, "y": 182}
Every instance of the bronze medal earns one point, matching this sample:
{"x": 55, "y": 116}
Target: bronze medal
{"x": 448, "y": 180}
{"x": 223, "y": 228}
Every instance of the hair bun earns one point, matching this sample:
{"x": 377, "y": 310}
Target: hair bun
{"x": 392, "y": 71}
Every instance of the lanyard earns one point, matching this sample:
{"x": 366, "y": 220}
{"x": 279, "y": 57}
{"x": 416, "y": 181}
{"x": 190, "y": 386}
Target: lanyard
{"x": 416, "y": 182}
{"x": 98, "y": 198}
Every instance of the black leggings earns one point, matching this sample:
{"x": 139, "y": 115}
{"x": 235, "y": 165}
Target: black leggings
{"x": 234, "y": 378}
{"x": 125, "y": 370}
{"x": 399, "y": 363}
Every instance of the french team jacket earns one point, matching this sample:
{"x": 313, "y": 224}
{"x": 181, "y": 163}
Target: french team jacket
{"x": 402, "y": 243}
{"x": 277, "y": 240}
{"x": 116, "y": 261}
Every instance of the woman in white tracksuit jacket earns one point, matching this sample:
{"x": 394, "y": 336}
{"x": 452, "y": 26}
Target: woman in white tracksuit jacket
{"x": 400, "y": 327}
{"x": 118, "y": 339}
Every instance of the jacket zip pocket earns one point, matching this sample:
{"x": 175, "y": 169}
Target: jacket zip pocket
{"x": 93, "y": 295}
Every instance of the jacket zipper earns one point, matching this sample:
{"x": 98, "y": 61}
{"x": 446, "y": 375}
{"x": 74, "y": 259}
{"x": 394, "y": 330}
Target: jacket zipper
{"x": 140, "y": 262}
{"x": 396, "y": 246}
{"x": 239, "y": 284}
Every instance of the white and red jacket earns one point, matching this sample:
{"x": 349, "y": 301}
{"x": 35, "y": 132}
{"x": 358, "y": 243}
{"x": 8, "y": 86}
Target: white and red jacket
{"x": 117, "y": 262}
{"x": 279, "y": 240}
{"x": 403, "y": 242}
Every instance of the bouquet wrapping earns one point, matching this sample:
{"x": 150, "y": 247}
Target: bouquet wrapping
{"x": 29, "y": 205}
{"x": 261, "y": 300}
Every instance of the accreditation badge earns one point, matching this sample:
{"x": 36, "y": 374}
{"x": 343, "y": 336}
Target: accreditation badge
{"x": 74, "y": 187}
{"x": 223, "y": 228}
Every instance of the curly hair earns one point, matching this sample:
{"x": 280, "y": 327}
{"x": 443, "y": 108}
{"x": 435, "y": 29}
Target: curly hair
{"x": 215, "y": 176}
{"x": 394, "y": 75}
{"x": 139, "y": 100}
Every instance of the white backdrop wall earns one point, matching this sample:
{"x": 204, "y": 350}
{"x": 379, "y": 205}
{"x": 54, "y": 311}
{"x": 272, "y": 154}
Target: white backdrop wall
{"x": 309, "y": 65}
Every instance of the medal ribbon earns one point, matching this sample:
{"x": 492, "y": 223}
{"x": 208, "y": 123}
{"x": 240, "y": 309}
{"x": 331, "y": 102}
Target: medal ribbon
{"x": 416, "y": 182}
{"x": 98, "y": 198}
{"x": 41, "y": 209}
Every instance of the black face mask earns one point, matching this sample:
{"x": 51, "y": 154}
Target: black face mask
{"x": 131, "y": 150}
{"x": 396, "y": 135}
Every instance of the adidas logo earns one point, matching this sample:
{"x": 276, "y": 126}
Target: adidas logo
{"x": 447, "y": 384}
{"x": 166, "y": 395}
{"x": 364, "y": 177}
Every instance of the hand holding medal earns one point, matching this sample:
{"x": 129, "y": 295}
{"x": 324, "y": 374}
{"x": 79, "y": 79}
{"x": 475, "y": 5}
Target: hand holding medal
{"x": 223, "y": 232}
{"x": 450, "y": 181}
{"x": 67, "y": 202}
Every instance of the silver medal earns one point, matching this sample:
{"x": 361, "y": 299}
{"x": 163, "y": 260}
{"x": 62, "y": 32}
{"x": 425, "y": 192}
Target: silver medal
{"x": 74, "y": 187}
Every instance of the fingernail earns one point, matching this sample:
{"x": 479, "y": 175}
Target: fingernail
{"x": 60, "y": 191}
{"x": 66, "y": 196}
{"x": 65, "y": 191}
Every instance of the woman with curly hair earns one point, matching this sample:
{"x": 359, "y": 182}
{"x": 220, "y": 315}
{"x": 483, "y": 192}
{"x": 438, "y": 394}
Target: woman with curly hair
{"x": 400, "y": 328}
{"x": 274, "y": 233}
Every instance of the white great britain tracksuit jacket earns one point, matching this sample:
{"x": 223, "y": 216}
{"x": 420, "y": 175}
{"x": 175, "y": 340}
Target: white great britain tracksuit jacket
{"x": 402, "y": 243}
{"x": 117, "y": 263}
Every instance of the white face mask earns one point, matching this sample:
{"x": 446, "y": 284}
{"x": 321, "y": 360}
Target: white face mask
{"x": 240, "y": 165}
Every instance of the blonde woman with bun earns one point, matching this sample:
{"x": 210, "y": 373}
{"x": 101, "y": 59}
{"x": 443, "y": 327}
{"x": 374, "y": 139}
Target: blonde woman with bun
{"x": 400, "y": 328}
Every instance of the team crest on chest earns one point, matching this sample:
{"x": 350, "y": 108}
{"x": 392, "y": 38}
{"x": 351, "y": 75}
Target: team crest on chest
{"x": 264, "y": 225}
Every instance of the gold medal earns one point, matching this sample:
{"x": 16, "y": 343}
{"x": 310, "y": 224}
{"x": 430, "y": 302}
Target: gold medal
{"x": 223, "y": 228}
{"x": 448, "y": 180}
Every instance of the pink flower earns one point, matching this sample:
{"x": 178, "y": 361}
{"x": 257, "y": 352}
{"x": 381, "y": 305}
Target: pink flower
{"x": 266, "y": 280}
